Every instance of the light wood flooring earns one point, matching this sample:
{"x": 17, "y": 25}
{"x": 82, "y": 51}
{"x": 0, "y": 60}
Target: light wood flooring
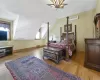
{"x": 74, "y": 66}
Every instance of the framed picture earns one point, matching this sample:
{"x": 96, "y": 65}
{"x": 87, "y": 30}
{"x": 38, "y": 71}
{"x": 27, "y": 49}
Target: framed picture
{"x": 69, "y": 28}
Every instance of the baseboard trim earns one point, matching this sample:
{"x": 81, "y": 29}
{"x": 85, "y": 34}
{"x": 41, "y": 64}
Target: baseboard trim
{"x": 28, "y": 49}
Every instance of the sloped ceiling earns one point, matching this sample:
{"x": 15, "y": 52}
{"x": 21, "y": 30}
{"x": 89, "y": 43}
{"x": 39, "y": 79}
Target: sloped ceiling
{"x": 28, "y": 15}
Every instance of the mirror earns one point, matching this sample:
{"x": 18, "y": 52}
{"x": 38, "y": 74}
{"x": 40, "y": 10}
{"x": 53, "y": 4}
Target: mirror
{"x": 97, "y": 25}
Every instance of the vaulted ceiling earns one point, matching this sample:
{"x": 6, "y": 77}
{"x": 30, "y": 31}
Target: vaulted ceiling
{"x": 28, "y": 15}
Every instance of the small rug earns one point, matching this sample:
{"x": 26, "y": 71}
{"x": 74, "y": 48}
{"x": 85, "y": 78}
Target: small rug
{"x": 32, "y": 68}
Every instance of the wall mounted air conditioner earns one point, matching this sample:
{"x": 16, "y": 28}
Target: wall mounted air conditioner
{"x": 73, "y": 18}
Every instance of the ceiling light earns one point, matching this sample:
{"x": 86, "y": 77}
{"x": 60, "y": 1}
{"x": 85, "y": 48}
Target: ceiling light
{"x": 57, "y": 3}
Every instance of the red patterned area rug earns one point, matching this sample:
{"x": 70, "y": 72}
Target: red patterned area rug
{"x": 32, "y": 68}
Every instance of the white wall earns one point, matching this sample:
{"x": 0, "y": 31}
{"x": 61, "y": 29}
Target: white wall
{"x": 21, "y": 44}
{"x": 98, "y": 6}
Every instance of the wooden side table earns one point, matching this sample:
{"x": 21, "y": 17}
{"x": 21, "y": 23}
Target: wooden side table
{"x": 6, "y": 50}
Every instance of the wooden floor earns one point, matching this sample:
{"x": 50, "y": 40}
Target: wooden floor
{"x": 74, "y": 66}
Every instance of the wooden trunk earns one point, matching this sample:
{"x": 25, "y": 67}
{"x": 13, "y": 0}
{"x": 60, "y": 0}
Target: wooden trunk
{"x": 54, "y": 54}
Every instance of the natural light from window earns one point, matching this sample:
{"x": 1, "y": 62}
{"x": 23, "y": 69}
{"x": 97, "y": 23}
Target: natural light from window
{"x": 38, "y": 35}
{"x": 6, "y": 30}
{"x": 41, "y": 33}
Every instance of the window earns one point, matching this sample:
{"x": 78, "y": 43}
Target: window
{"x": 38, "y": 35}
{"x": 4, "y": 31}
{"x": 42, "y": 31}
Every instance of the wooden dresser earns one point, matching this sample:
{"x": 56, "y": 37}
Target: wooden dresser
{"x": 92, "y": 53}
